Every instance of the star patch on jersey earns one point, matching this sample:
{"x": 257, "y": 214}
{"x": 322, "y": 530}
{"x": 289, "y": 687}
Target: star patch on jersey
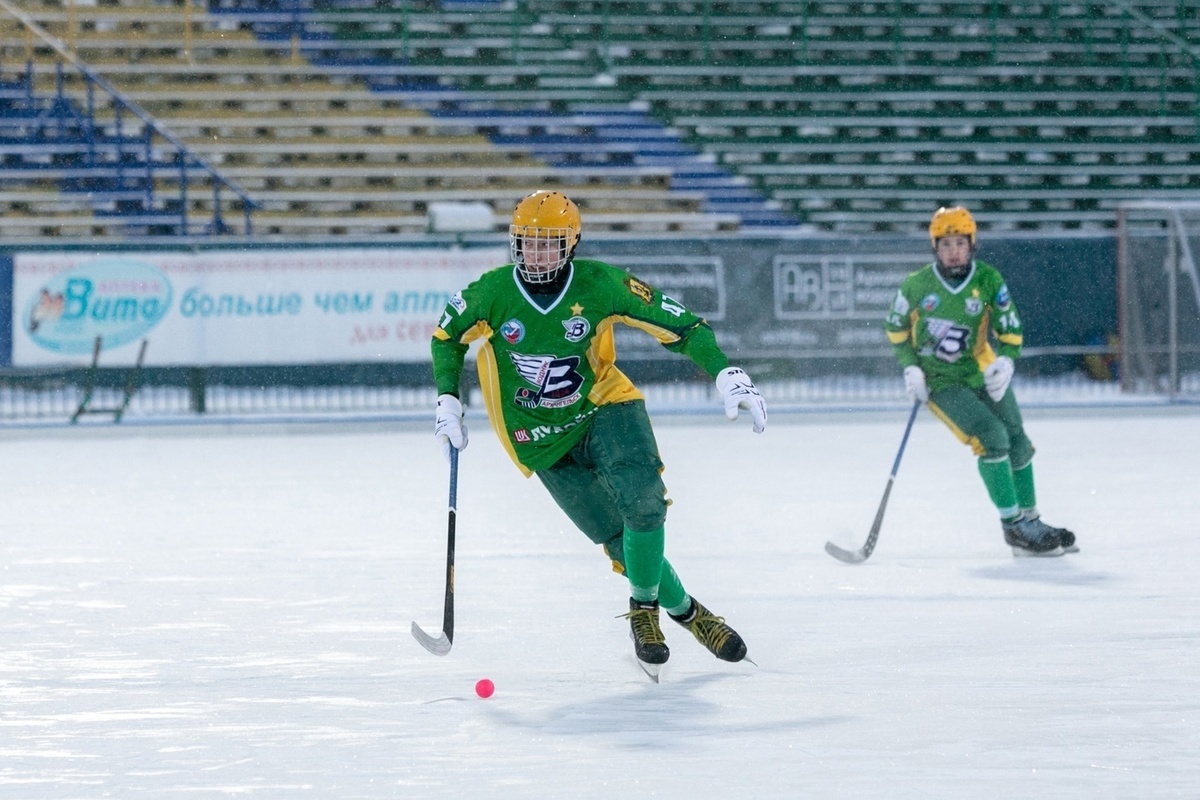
{"x": 640, "y": 290}
{"x": 512, "y": 331}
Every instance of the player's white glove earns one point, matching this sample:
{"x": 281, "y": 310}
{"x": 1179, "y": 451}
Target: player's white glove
{"x": 738, "y": 391}
{"x": 449, "y": 428}
{"x": 914, "y": 383}
{"x": 997, "y": 376}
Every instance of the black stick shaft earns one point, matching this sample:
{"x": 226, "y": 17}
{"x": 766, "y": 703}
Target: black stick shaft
{"x": 873, "y": 536}
{"x": 864, "y": 552}
{"x": 448, "y": 613}
{"x": 907, "y": 430}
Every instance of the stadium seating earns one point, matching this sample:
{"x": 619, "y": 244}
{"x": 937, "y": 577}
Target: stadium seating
{"x": 670, "y": 116}
{"x": 865, "y": 116}
{"x": 334, "y": 148}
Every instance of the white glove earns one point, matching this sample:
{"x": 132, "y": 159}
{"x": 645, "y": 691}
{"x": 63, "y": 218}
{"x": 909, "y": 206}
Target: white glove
{"x": 738, "y": 391}
{"x": 449, "y": 428}
{"x": 914, "y": 383}
{"x": 997, "y": 376}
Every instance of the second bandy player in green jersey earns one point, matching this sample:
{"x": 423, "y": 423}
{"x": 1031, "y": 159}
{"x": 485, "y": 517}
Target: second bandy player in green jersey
{"x": 564, "y": 412}
{"x": 940, "y": 326}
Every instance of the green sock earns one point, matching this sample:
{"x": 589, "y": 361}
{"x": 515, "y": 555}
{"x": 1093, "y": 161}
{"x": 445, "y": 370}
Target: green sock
{"x": 998, "y": 478}
{"x": 1023, "y": 483}
{"x": 671, "y": 595}
{"x": 644, "y": 562}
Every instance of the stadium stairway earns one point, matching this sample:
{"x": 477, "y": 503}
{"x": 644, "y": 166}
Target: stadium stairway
{"x": 62, "y": 171}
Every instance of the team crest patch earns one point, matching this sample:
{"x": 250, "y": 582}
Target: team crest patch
{"x": 512, "y": 331}
{"x": 577, "y": 328}
{"x": 640, "y": 290}
{"x": 930, "y": 302}
{"x": 556, "y": 381}
{"x": 458, "y": 303}
{"x": 974, "y": 306}
{"x": 1002, "y": 298}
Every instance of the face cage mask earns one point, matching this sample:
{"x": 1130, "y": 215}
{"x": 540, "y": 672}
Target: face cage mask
{"x": 955, "y": 273}
{"x": 543, "y": 240}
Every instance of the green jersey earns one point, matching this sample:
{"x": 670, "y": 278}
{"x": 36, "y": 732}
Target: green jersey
{"x": 545, "y": 367}
{"x": 944, "y": 328}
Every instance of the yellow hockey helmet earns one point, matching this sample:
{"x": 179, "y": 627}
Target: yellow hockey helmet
{"x": 956, "y": 221}
{"x": 544, "y": 232}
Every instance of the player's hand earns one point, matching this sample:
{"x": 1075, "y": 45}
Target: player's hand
{"x": 738, "y": 391}
{"x": 449, "y": 428}
{"x": 914, "y": 383}
{"x": 997, "y": 376}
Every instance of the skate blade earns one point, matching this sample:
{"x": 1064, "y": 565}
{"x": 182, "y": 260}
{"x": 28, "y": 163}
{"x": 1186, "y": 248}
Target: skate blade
{"x": 1021, "y": 552}
{"x": 1074, "y": 548}
{"x": 652, "y": 670}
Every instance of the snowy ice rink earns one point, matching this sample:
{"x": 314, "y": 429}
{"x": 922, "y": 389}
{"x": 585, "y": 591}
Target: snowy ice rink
{"x": 224, "y": 611}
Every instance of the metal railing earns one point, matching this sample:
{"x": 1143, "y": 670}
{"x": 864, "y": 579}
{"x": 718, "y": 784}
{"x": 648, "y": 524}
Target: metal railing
{"x": 60, "y": 114}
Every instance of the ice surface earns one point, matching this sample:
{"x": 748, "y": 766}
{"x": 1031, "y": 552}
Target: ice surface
{"x": 224, "y": 611}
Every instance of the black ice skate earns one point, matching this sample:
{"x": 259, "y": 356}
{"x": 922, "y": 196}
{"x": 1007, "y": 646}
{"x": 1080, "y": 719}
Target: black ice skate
{"x": 1066, "y": 538}
{"x": 1029, "y": 537}
{"x": 649, "y": 644}
{"x": 712, "y": 632}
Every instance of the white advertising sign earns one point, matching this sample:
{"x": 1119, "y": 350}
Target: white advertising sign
{"x": 237, "y": 307}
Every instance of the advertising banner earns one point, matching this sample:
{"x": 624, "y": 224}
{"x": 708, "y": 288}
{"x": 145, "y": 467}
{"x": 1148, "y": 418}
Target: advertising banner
{"x": 819, "y": 301}
{"x": 785, "y": 305}
{"x": 265, "y": 307}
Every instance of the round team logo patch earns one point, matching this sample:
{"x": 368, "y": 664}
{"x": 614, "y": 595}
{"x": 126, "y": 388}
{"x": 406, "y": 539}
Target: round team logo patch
{"x": 1002, "y": 298}
{"x": 974, "y": 306}
{"x": 512, "y": 331}
{"x": 577, "y": 328}
{"x": 930, "y": 302}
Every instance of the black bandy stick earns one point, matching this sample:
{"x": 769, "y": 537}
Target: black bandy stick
{"x": 440, "y": 645}
{"x": 863, "y": 553}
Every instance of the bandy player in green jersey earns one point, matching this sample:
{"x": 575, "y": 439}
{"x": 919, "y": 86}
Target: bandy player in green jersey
{"x": 564, "y": 412}
{"x": 939, "y": 327}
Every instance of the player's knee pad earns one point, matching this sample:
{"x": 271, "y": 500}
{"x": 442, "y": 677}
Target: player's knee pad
{"x": 994, "y": 444}
{"x": 1021, "y": 451}
{"x": 646, "y": 514}
{"x": 641, "y": 498}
